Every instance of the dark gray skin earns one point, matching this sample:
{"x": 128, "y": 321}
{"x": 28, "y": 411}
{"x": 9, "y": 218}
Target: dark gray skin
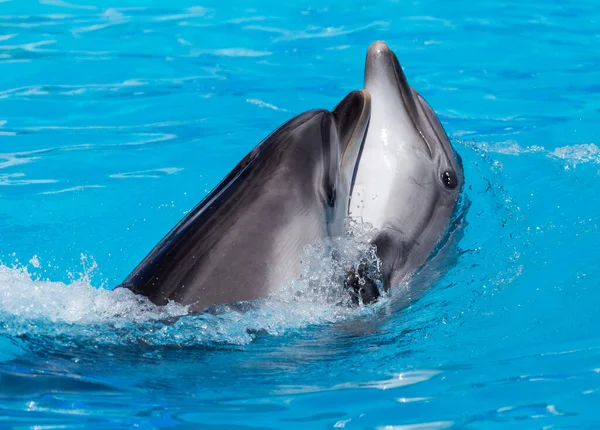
{"x": 244, "y": 240}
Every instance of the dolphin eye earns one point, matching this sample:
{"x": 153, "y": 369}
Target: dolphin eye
{"x": 449, "y": 179}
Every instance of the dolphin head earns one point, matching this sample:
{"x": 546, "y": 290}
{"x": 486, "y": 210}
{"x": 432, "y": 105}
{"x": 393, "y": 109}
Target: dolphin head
{"x": 409, "y": 177}
{"x": 424, "y": 134}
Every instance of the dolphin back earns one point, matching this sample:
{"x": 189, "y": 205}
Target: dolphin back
{"x": 244, "y": 239}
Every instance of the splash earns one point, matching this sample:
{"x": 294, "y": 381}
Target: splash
{"x": 572, "y": 155}
{"x": 81, "y": 313}
{"x": 21, "y": 295}
{"x": 326, "y": 264}
{"x": 578, "y": 154}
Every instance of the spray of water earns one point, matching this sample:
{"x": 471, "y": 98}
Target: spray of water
{"x": 78, "y": 311}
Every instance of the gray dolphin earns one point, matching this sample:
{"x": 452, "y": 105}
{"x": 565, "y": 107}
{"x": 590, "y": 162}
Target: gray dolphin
{"x": 408, "y": 178}
{"x": 245, "y": 238}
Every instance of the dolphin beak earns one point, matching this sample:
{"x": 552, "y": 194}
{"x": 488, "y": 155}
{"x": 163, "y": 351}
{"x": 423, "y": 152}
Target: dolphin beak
{"x": 384, "y": 78}
{"x": 382, "y": 66}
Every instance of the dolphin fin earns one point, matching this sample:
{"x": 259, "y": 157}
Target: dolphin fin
{"x": 352, "y": 116}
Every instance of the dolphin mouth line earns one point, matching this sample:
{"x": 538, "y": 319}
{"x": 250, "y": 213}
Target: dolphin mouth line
{"x": 416, "y": 111}
{"x": 409, "y": 101}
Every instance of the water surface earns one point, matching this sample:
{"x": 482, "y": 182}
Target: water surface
{"x": 118, "y": 117}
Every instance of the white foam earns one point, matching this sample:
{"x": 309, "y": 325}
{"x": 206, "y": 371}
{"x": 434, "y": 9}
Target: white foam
{"x": 35, "y": 262}
{"x": 509, "y": 147}
{"x": 575, "y": 154}
{"x": 79, "y": 312}
{"x": 77, "y": 302}
{"x": 572, "y": 154}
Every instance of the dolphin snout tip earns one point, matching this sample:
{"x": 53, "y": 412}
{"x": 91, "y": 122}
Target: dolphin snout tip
{"x": 378, "y": 48}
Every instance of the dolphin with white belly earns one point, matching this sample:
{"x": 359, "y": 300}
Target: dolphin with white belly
{"x": 408, "y": 179}
{"x": 244, "y": 240}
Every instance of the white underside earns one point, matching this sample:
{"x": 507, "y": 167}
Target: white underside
{"x": 392, "y": 164}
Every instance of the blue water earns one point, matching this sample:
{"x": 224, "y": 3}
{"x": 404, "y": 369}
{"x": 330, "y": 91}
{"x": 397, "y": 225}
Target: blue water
{"x": 117, "y": 117}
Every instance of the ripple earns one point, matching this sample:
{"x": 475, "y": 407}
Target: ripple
{"x": 519, "y": 413}
{"x": 400, "y": 380}
{"x": 230, "y": 52}
{"x": 263, "y": 104}
{"x": 287, "y": 35}
{"x": 428, "y": 18}
{"x": 435, "y": 425}
{"x": 16, "y": 159}
{"x": 7, "y": 37}
{"x": 78, "y": 188}
{"x": 149, "y": 126}
{"x": 11, "y": 179}
{"x": 12, "y": 22}
{"x": 154, "y": 173}
{"x": 96, "y": 27}
{"x": 31, "y": 47}
{"x": 62, "y": 3}
{"x": 26, "y": 157}
{"x": 126, "y": 87}
{"x": 192, "y": 12}
{"x": 412, "y": 399}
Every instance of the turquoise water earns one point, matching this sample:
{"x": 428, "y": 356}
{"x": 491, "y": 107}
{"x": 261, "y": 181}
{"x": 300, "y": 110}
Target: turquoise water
{"x": 118, "y": 117}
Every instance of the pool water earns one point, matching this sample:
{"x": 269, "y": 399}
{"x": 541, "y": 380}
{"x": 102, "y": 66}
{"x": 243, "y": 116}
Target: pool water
{"x": 117, "y": 117}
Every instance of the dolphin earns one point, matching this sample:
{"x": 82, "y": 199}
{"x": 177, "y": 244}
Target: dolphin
{"x": 245, "y": 238}
{"x": 408, "y": 178}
